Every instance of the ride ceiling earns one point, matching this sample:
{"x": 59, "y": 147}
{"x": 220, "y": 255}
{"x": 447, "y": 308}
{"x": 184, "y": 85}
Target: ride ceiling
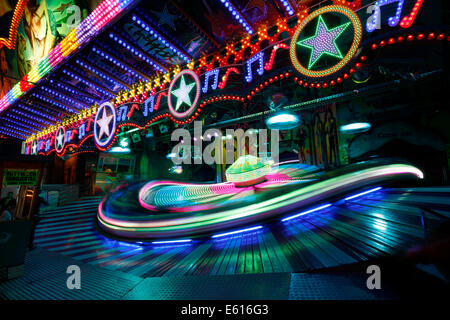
{"x": 139, "y": 62}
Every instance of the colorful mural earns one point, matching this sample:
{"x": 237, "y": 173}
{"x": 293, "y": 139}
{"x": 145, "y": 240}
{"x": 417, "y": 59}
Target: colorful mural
{"x": 6, "y": 56}
{"x": 317, "y": 138}
{"x": 44, "y": 23}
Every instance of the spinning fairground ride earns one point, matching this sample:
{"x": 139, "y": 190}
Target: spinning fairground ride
{"x": 255, "y": 196}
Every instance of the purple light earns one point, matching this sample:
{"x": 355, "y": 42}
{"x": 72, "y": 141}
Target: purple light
{"x": 323, "y": 41}
{"x": 237, "y": 231}
{"x": 236, "y": 15}
{"x": 215, "y": 74}
{"x": 288, "y": 7}
{"x": 362, "y": 193}
{"x": 172, "y": 241}
{"x": 306, "y": 212}
{"x": 257, "y": 57}
{"x": 393, "y": 21}
{"x": 160, "y": 38}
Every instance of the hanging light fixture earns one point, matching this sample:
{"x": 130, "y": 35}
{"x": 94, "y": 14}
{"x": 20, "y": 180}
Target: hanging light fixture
{"x": 119, "y": 150}
{"x": 356, "y": 127}
{"x": 283, "y": 120}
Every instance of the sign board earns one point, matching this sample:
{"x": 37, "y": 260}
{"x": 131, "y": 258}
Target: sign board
{"x": 21, "y": 177}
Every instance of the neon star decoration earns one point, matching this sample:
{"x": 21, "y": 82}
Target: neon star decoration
{"x": 34, "y": 147}
{"x": 182, "y": 93}
{"x": 106, "y": 114}
{"x": 323, "y": 42}
{"x": 104, "y": 124}
{"x": 60, "y": 139}
{"x": 180, "y": 90}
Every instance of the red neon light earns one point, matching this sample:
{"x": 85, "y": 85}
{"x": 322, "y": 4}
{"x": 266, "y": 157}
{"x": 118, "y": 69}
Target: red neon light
{"x": 355, "y": 5}
{"x": 72, "y": 134}
{"x": 408, "y": 20}
{"x": 130, "y": 124}
{"x": 133, "y": 107}
{"x": 222, "y": 84}
{"x": 269, "y": 64}
{"x": 162, "y": 94}
{"x": 90, "y": 120}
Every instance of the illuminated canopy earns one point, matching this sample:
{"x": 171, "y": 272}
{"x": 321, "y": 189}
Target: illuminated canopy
{"x": 323, "y": 42}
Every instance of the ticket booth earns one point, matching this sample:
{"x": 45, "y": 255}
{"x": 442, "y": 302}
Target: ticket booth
{"x": 20, "y": 181}
{"x": 22, "y": 176}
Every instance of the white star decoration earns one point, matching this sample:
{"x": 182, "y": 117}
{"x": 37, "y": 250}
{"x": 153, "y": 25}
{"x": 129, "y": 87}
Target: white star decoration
{"x": 323, "y": 42}
{"x": 182, "y": 93}
{"x": 59, "y": 139}
{"x": 103, "y": 123}
{"x": 34, "y": 147}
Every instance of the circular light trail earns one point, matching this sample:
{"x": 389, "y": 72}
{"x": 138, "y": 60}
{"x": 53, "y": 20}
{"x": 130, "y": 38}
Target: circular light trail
{"x": 168, "y": 209}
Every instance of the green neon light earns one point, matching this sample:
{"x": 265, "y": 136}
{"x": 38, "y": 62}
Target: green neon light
{"x": 320, "y": 40}
{"x": 357, "y": 33}
{"x": 273, "y": 204}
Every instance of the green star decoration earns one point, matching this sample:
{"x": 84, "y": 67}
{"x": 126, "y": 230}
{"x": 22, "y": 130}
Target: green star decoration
{"x": 323, "y": 42}
{"x": 182, "y": 93}
{"x": 59, "y": 139}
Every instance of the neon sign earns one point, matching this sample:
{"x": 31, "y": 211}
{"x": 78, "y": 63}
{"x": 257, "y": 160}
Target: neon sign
{"x": 323, "y": 43}
{"x": 393, "y": 21}
{"x": 34, "y": 147}
{"x": 214, "y": 73}
{"x": 374, "y": 21}
{"x": 181, "y": 89}
{"x": 47, "y": 145}
{"x": 60, "y": 139}
{"x": 105, "y": 123}
{"x": 260, "y": 70}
